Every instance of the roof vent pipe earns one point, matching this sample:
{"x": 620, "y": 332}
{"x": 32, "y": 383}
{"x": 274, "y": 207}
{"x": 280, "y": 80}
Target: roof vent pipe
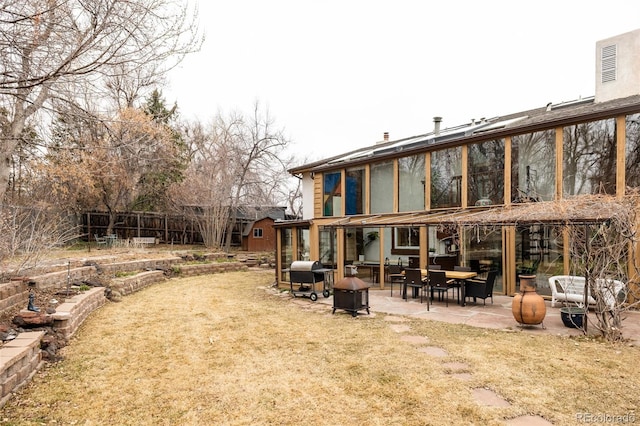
{"x": 436, "y": 125}
{"x": 386, "y": 136}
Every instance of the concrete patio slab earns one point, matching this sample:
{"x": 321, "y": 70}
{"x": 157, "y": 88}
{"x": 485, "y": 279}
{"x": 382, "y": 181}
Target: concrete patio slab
{"x": 495, "y": 315}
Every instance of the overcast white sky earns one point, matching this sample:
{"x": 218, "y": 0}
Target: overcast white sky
{"x": 337, "y": 74}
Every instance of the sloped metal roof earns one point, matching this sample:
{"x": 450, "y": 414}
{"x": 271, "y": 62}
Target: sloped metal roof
{"x": 549, "y": 116}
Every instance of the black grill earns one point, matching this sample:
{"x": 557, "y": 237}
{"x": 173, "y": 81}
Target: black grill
{"x": 306, "y": 274}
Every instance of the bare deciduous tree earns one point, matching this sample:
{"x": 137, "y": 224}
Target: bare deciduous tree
{"x": 56, "y": 49}
{"x": 603, "y": 253}
{"x": 237, "y": 161}
{"x": 203, "y": 196}
{"x": 27, "y": 233}
{"x": 257, "y": 147}
{"x": 105, "y": 165}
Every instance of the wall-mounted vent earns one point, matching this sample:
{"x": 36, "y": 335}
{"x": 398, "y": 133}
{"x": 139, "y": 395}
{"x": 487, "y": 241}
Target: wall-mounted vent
{"x": 609, "y": 57}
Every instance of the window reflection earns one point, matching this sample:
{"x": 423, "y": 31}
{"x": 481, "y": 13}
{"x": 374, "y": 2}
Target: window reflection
{"x": 446, "y": 178}
{"x": 589, "y": 158}
{"x": 632, "y": 162}
{"x": 486, "y": 173}
{"x": 533, "y": 167}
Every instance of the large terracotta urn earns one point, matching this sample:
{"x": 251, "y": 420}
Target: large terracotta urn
{"x": 528, "y": 306}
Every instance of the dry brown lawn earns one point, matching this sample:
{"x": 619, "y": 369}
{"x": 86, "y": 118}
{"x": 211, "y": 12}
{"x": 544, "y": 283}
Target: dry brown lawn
{"x": 226, "y": 350}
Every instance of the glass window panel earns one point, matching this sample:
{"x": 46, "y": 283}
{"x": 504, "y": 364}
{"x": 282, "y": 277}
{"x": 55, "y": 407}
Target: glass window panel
{"x": 328, "y": 248}
{"x": 382, "y": 187}
{"x": 371, "y": 244}
{"x": 332, "y": 196}
{"x": 353, "y": 245}
{"x": 539, "y": 252}
{"x": 589, "y": 158}
{"x": 303, "y": 244}
{"x": 411, "y": 178}
{"x": 407, "y": 238}
{"x": 446, "y": 178}
{"x": 444, "y": 246}
{"x": 483, "y": 252}
{"x": 632, "y": 162}
{"x": 286, "y": 251}
{"x": 486, "y": 173}
{"x": 405, "y": 241}
{"x": 355, "y": 191}
{"x": 533, "y": 166}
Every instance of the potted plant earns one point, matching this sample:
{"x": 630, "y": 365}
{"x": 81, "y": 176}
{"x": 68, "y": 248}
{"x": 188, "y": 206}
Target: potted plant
{"x": 371, "y": 237}
{"x": 573, "y": 316}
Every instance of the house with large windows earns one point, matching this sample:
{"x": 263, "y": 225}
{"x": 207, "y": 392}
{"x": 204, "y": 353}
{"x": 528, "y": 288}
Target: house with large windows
{"x": 473, "y": 194}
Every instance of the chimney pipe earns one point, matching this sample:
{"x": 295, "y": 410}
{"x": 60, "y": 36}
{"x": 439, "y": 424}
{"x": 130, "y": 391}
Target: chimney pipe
{"x": 436, "y": 125}
{"x": 386, "y": 136}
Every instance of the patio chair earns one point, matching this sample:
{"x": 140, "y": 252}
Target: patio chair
{"x": 456, "y": 285}
{"x": 413, "y": 280}
{"x": 438, "y": 284}
{"x": 101, "y": 241}
{"x": 474, "y": 264}
{"x": 481, "y": 288}
{"x": 395, "y": 277}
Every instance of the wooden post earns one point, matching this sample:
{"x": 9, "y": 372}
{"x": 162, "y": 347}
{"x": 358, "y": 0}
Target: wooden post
{"x": 166, "y": 228}
{"x": 89, "y": 229}
{"x": 587, "y": 286}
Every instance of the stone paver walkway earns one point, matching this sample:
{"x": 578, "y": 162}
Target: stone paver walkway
{"x": 482, "y": 396}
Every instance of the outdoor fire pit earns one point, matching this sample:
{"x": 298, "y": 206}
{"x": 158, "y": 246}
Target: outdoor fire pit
{"x": 351, "y": 293}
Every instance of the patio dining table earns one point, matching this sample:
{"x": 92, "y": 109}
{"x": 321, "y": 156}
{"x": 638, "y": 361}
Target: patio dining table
{"x": 459, "y": 276}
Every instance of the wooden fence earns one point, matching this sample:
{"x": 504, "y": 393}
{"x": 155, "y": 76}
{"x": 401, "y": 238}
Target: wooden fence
{"x": 166, "y": 228}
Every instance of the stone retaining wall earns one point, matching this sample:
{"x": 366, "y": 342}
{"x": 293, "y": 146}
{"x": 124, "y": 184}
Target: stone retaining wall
{"x": 73, "y": 311}
{"x": 59, "y": 279}
{"x": 21, "y": 357}
{"x": 209, "y": 268}
{"x": 19, "y": 360}
{"x": 13, "y": 293}
{"x": 138, "y": 265}
{"x": 128, "y": 285}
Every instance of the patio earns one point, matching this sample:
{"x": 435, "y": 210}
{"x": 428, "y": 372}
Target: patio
{"x": 496, "y": 316}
